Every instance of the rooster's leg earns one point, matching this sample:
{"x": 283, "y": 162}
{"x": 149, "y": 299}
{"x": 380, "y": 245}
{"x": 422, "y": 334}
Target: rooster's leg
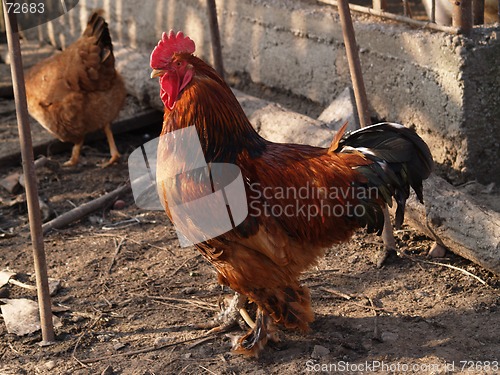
{"x": 229, "y": 316}
{"x": 256, "y": 339}
{"x": 75, "y": 155}
{"x": 388, "y": 240}
{"x": 115, "y": 155}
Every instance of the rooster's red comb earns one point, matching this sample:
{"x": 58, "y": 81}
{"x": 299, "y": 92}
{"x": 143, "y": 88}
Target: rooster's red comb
{"x": 168, "y": 45}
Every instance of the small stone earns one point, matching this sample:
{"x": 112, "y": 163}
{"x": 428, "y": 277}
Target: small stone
{"x": 319, "y": 351}
{"x": 11, "y": 183}
{"x": 160, "y": 341}
{"x": 50, "y": 365}
{"x": 437, "y": 251}
{"x": 189, "y": 290}
{"x": 389, "y": 336}
{"x": 119, "y": 205}
{"x": 118, "y": 346}
{"x": 54, "y": 286}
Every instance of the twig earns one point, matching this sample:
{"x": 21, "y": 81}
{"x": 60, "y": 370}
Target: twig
{"x": 137, "y": 242}
{"x": 175, "y": 306}
{"x": 80, "y": 339}
{"x": 334, "y": 271}
{"x": 117, "y": 250}
{"x": 348, "y": 298}
{"x": 200, "y": 304}
{"x": 85, "y": 209}
{"x": 13, "y": 349}
{"x": 200, "y": 341}
{"x": 154, "y": 246}
{"x": 138, "y": 351}
{"x": 337, "y": 293}
{"x": 376, "y": 329}
{"x": 182, "y": 265}
{"x": 122, "y": 224}
{"x": 452, "y": 267}
{"x": 207, "y": 370}
{"x": 22, "y": 285}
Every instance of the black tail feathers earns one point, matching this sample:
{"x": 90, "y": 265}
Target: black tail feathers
{"x": 400, "y": 159}
{"x": 98, "y": 27}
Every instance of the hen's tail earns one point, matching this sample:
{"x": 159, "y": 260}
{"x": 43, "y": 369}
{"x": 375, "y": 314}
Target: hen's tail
{"x": 400, "y": 159}
{"x": 98, "y": 28}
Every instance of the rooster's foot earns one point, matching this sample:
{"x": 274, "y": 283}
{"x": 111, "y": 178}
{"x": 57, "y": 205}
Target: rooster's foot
{"x": 390, "y": 247}
{"x": 229, "y": 316}
{"x": 256, "y": 339}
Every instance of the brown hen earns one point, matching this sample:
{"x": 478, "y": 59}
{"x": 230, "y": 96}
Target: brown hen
{"x": 78, "y": 91}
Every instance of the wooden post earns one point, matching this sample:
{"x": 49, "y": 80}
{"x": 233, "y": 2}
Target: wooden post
{"x": 379, "y": 5}
{"x": 35, "y": 220}
{"x": 362, "y": 105}
{"x": 478, "y": 12}
{"x": 215, "y": 35}
{"x": 354, "y": 63}
{"x": 462, "y": 15}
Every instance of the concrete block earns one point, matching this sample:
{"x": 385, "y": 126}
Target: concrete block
{"x": 342, "y": 109}
{"x": 31, "y": 52}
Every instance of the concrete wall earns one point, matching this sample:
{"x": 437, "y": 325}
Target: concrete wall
{"x": 445, "y": 86}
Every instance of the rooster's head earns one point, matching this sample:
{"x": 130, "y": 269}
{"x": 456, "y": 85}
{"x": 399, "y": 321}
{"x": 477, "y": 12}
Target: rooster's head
{"x": 169, "y": 62}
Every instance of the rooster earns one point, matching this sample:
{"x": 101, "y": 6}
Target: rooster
{"x": 78, "y": 91}
{"x": 301, "y": 199}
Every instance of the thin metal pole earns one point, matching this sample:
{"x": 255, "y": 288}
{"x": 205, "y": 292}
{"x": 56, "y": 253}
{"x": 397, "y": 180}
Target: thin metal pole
{"x": 354, "y": 63}
{"x": 215, "y": 35}
{"x": 35, "y": 220}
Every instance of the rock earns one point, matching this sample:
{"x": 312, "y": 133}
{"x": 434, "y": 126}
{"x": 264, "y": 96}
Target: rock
{"x": 21, "y": 316}
{"x": 319, "y": 352}
{"x": 54, "y": 286}
{"x": 457, "y": 221}
{"x": 118, "y": 346}
{"x": 119, "y": 205}
{"x": 342, "y": 109}
{"x": 389, "y": 336}
{"x": 161, "y": 341}
{"x": 437, "y": 251}
{"x": 277, "y": 124}
{"x": 50, "y": 365}
{"x": 11, "y": 183}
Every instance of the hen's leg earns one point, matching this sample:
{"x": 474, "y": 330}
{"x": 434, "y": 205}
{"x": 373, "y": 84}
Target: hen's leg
{"x": 75, "y": 155}
{"x": 115, "y": 155}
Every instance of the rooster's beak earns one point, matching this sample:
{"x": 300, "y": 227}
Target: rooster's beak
{"x": 157, "y": 73}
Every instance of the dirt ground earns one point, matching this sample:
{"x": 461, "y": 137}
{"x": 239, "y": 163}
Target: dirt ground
{"x": 131, "y": 298}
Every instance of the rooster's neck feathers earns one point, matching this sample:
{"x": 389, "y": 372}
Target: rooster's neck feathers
{"x": 222, "y": 126}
